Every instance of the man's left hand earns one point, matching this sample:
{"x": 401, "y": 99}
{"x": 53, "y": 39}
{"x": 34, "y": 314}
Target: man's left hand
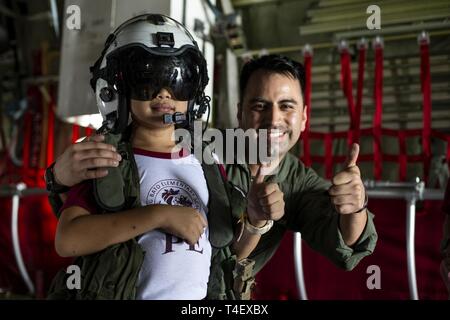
{"x": 347, "y": 192}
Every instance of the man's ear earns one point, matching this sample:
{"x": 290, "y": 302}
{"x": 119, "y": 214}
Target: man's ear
{"x": 304, "y": 118}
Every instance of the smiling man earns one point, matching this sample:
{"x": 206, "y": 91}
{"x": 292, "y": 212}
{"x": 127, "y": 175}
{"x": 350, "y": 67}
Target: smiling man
{"x": 332, "y": 218}
{"x": 272, "y": 101}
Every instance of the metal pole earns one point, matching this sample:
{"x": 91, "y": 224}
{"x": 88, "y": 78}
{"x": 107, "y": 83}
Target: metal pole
{"x": 410, "y": 254}
{"x": 55, "y": 18}
{"x": 298, "y": 264}
{"x": 411, "y": 192}
{"x": 15, "y": 237}
{"x": 389, "y": 184}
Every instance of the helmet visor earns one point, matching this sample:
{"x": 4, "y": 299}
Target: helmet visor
{"x": 147, "y": 74}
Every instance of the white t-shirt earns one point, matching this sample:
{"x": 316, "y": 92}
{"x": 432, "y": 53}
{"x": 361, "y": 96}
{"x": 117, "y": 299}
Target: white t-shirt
{"x": 172, "y": 269}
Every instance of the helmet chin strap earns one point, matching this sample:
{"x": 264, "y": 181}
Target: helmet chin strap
{"x": 176, "y": 118}
{"x": 181, "y": 119}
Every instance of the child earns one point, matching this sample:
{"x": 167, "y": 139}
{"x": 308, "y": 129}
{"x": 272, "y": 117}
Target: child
{"x": 152, "y": 68}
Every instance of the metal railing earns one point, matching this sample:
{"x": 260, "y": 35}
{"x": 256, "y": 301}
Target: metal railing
{"x": 411, "y": 192}
{"x": 16, "y": 192}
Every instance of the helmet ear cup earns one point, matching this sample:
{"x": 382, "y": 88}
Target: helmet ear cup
{"x": 112, "y": 105}
{"x": 107, "y": 94}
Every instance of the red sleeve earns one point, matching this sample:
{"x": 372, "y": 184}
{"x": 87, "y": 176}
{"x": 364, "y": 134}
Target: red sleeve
{"x": 82, "y": 195}
{"x": 446, "y": 204}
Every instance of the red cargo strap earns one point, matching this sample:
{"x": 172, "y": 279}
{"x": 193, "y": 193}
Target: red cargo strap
{"x": 51, "y": 132}
{"x": 402, "y": 157}
{"x": 359, "y": 92}
{"x": 89, "y": 131}
{"x": 346, "y": 84}
{"x": 75, "y": 132}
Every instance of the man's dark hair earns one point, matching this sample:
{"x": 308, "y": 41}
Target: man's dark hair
{"x": 273, "y": 63}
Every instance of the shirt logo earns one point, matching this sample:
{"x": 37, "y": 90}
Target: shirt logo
{"x": 173, "y": 192}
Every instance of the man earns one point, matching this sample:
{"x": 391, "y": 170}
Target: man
{"x": 332, "y": 219}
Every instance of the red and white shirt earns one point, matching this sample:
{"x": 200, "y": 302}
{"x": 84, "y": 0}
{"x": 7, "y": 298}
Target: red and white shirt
{"x": 172, "y": 269}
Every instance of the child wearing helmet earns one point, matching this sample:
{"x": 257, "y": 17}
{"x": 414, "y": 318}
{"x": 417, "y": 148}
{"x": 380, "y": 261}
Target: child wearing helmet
{"x": 161, "y": 224}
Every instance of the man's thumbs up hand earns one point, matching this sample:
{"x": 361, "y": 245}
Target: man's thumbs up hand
{"x": 347, "y": 192}
{"x": 352, "y": 156}
{"x": 265, "y": 200}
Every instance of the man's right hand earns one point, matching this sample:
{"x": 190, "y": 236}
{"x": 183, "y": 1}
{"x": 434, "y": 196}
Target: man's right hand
{"x": 183, "y": 222}
{"x": 265, "y": 201}
{"x": 85, "y": 160}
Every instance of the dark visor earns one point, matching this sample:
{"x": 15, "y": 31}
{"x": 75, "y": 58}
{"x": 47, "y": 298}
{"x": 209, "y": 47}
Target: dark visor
{"x": 147, "y": 74}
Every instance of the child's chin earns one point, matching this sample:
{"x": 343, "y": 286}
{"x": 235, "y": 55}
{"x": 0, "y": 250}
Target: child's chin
{"x": 154, "y": 123}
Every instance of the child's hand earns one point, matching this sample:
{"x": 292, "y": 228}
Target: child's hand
{"x": 265, "y": 201}
{"x": 184, "y": 222}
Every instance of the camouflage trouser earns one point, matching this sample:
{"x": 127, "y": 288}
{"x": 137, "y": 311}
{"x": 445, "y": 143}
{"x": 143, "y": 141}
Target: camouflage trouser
{"x": 445, "y": 264}
{"x": 244, "y": 282}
